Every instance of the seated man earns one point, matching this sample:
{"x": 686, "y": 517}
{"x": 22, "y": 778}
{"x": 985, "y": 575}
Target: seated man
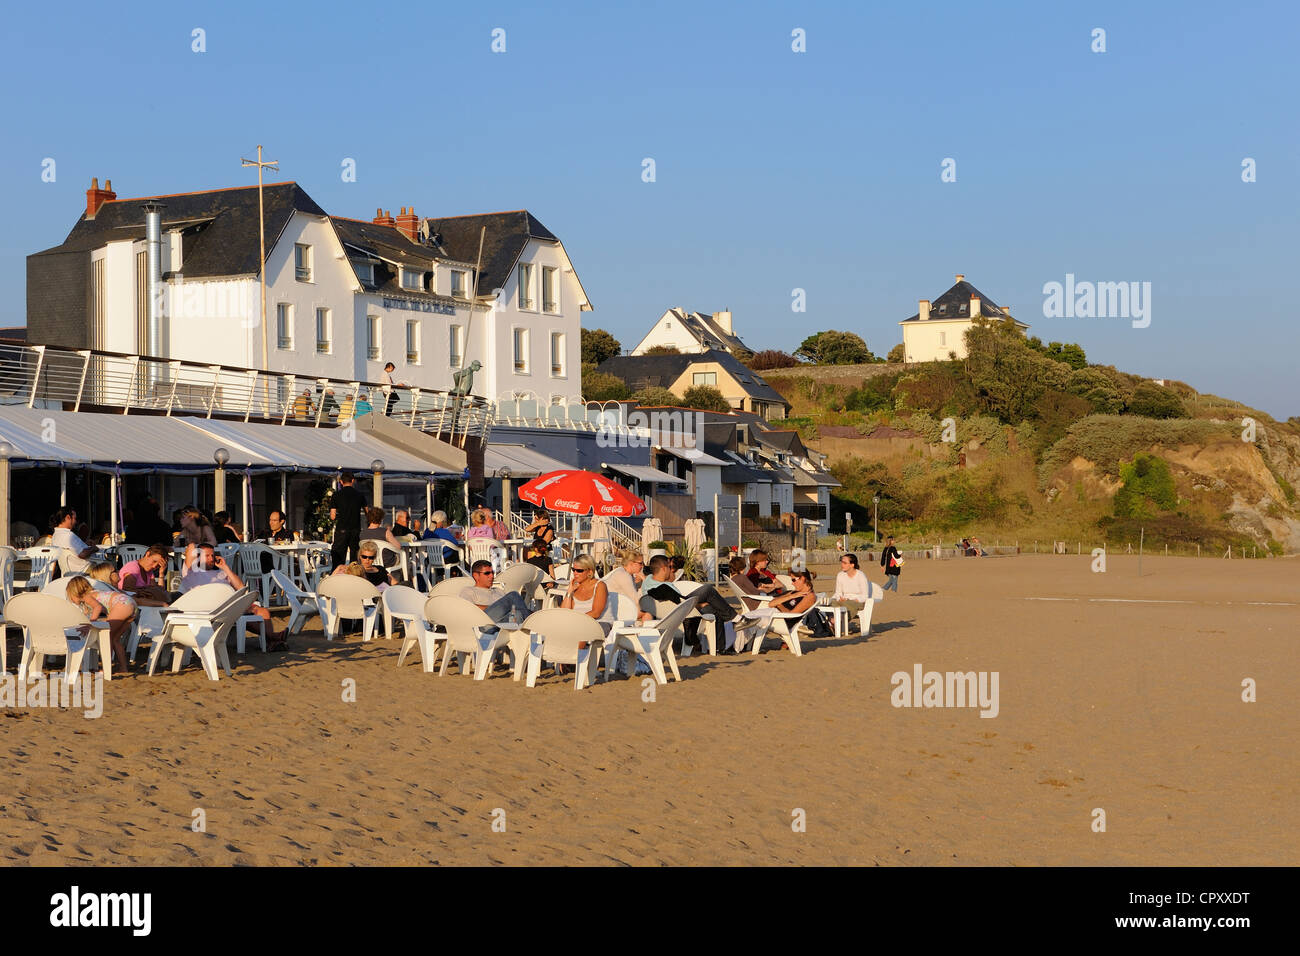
{"x": 658, "y": 586}
{"x": 203, "y": 565}
{"x": 438, "y": 523}
{"x": 498, "y": 605}
{"x": 76, "y": 551}
{"x": 276, "y": 531}
{"x": 401, "y": 523}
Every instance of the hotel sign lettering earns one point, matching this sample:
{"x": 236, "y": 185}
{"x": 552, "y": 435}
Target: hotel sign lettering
{"x": 419, "y": 305}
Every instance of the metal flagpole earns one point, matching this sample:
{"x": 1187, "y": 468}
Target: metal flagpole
{"x": 261, "y": 236}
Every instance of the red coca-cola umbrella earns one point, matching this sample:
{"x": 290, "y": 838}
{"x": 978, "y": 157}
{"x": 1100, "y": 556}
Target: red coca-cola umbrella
{"x": 578, "y": 492}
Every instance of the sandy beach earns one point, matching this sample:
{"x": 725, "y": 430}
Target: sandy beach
{"x": 1116, "y": 692}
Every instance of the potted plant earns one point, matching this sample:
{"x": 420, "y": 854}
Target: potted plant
{"x": 657, "y": 547}
{"x": 709, "y": 560}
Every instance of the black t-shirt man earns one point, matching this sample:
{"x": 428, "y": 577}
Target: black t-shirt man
{"x": 348, "y": 503}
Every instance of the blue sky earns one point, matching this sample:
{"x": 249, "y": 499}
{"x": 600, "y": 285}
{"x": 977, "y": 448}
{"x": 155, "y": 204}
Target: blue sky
{"x": 775, "y": 170}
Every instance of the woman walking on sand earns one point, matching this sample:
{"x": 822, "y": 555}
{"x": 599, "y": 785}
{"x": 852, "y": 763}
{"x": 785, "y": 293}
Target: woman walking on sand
{"x": 892, "y": 562}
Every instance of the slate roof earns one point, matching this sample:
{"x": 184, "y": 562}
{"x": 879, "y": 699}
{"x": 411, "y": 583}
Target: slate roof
{"x": 219, "y": 226}
{"x": 662, "y": 370}
{"x": 955, "y": 304}
{"x": 507, "y": 235}
{"x": 706, "y": 331}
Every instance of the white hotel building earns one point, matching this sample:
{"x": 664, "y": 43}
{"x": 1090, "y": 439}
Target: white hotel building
{"x": 343, "y": 296}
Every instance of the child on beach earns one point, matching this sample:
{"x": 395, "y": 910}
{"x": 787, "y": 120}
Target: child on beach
{"x": 892, "y": 561}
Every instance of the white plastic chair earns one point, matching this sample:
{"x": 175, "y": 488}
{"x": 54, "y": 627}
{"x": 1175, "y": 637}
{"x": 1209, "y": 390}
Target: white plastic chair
{"x": 522, "y": 578}
{"x": 230, "y": 553}
{"x": 302, "y": 604}
{"x": 43, "y": 560}
{"x": 206, "y": 597}
{"x": 204, "y": 632}
{"x": 557, "y": 635}
{"x": 44, "y": 619}
{"x": 485, "y": 549}
{"x": 131, "y": 552}
{"x": 652, "y": 640}
{"x": 450, "y": 587}
{"x": 343, "y": 596}
{"x": 464, "y": 624}
{"x": 875, "y": 594}
{"x": 406, "y": 605}
{"x": 8, "y": 558}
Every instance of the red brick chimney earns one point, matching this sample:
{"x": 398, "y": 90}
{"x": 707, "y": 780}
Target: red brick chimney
{"x": 409, "y": 223}
{"x": 96, "y": 197}
{"x": 383, "y": 218}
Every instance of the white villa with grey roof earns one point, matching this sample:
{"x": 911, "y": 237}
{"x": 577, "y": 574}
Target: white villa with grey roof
{"x": 343, "y": 296}
{"x": 937, "y": 332}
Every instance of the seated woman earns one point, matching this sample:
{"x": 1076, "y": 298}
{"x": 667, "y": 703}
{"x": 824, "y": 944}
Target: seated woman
{"x": 852, "y": 589}
{"x": 480, "y": 525}
{"x": 801, "y": 600}
{"x": 540, "y": 527}
{"x": 112, "y": 605}
{"x": 224, "y": 529}
{"x": 355, "y": 569}
{"x": 539, "y": 555}
{"x": 626, "y": 579}
{"x": 587, "y": 594}
{"x": 378, "y": 532}
{"x": 759, "y": 575}
{"x": 371, "y": 569}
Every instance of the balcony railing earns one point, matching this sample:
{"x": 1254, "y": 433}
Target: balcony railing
{"x": 40, "y": 376}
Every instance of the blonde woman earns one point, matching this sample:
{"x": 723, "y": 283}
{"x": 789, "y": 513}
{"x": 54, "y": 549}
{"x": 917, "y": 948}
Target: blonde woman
{"x": 113, "y": 605}
{"x": 586, "y": 594}
{"x": 479, "y": 525}
{"x": 627, "y": 577}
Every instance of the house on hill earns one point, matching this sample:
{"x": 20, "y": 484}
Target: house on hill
{"x": 693, "y": 332}
{"x": 177, "y": 277}
{"x": 744, "y": 389}
{"x": 938, "y": 330}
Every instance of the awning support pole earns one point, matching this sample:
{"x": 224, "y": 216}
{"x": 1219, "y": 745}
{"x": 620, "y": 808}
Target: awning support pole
{"x": 63, "y": 487}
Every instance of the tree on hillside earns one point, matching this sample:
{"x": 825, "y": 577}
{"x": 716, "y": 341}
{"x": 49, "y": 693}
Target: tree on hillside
{"x": 663, "y": 350}
{"x": 598, "y": 345}
{"x": 1098, "y": 388}
{"x": 1152, "y": 401}
{"x": 706, "y": 398}
{"x": 1069, "y": 353}
{"x": 656, "y": 395}
{"x": 1009, "y": 375}
{"x": 896, "y": 354}
{"x": 771, "y": 358}
{"x": 603, "y": 387}
{"x": 834, "y": 348}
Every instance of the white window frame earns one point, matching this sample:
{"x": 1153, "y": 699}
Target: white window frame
{"x": 412, "y": 274}
{"x": 302, "y": 261}
{"x": 328, "y": 339}
{"x": 412, "y": 357}
{"x": 464, "y": 284}
{"x": 284, "y": 326}
{"x": 525, "y": 299}
{"x": 374, "y": 336}
{"x": 520, "y": 345}
{"x": 365, "y": 272}
{"x": 557, "y": 369}
{"x": 456, "y": 345}
{"x": 553, "y": 306}
{"x": 943, "y": 338}
{"x": 696, "y": 376}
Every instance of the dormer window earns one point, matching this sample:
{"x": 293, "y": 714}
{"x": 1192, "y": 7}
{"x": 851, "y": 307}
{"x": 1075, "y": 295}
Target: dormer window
{"x": 412, "y": 280}
{"x": 459, "y": 288}
{"x": 365, "y": 272}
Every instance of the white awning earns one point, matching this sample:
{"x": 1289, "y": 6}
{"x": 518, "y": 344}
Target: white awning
{"x": 133, "y": 443}
{"x": 305, "y": 448}
{"x": 646, "y": 473}
{"x": 693, "y": 455}
{"x": 523, "y": 462}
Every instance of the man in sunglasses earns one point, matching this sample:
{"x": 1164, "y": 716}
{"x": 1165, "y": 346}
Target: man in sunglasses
{"x": 498, "y": 605}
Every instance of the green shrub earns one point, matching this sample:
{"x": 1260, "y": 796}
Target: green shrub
{"x": 1147, "y": 488}
{"x": 1152, "y": 401}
